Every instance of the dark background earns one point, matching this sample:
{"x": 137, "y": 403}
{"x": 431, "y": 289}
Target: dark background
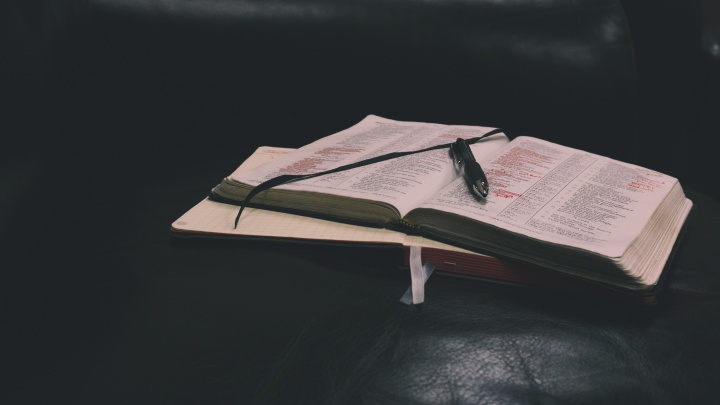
{"x": 118, "y": 116}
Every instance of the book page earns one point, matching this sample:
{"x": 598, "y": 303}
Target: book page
{"x": 561, "y": 195}
{"x": 212, "y": 217}
{"x": 402, "y": 182}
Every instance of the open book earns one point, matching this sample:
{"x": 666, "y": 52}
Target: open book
{"x": 551, "y": 207}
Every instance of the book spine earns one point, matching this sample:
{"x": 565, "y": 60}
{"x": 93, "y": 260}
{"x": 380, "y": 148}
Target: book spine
{"x": 406, "y": 228}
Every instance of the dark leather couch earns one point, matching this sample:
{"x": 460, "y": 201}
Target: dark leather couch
{"x": 119, "y": 115}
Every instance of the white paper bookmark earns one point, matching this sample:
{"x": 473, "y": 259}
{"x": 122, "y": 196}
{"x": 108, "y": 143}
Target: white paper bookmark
{"x": 419, "y": 273}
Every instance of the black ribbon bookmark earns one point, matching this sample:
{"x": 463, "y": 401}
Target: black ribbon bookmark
{"x": 291, "y": 178}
